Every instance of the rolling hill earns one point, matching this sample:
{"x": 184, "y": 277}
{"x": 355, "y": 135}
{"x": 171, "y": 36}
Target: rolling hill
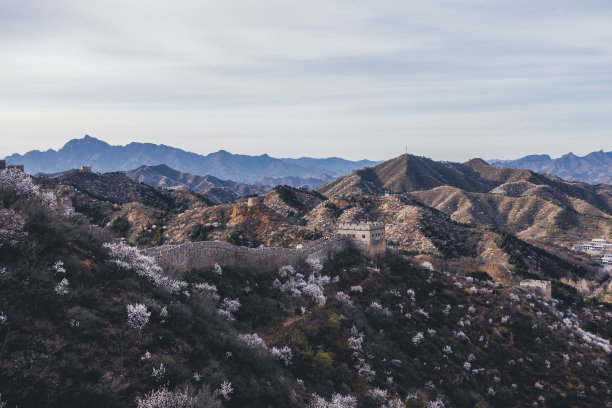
{"x": 530, "y": 204}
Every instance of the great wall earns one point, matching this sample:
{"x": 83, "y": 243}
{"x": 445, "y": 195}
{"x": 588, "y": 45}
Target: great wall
{"x": 205, "y": 254}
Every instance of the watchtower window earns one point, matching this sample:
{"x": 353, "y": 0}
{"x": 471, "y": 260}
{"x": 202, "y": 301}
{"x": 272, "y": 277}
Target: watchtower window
{"x": 363, "y": 236}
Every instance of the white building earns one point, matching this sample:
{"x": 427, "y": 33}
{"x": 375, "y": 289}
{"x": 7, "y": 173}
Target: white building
{"x": 596, "y": 246}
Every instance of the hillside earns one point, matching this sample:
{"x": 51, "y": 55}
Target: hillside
{"x": 533, "y": 205}
{"x": 107, "y": 327}
{"x": 444, "y": 225}
{"x": 594, "y": 168}
{"x": 103, "y": 157}
{"x": 209, "y": 186}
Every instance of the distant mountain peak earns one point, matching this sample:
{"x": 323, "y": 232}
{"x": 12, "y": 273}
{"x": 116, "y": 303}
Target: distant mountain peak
{"x": 103, "y": 157}
{"x": 594, "y": 168}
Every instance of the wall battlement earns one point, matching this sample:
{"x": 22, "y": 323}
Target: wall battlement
{"x": 205, "y": 254}
{"x": 361, "y": 226}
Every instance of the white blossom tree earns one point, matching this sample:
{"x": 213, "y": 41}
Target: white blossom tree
{"x": 62, "y": 287}
{"x": 11, "y": 228}
{"x": 228, "y": 307}
{"x": 226, "y": 390}
{"x": 17, "y": 183}
{"x": 283, "y": 354}
{"x": 138, "y": 316}
{"x": 337, "y": 401}
{"x": 252, "y": 341}
{"x": 130, "y": 259}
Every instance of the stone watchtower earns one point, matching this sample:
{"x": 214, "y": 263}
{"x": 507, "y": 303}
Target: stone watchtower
{"x": 254, "y": 201}
{"x": 369, "y": 236}
{"x": 2, "y": 164}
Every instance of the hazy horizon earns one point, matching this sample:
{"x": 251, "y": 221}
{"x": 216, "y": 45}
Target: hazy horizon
{"x": 204, "y": 153}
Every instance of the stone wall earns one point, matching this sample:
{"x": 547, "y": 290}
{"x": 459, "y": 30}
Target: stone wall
{"x": 205, "y": 254}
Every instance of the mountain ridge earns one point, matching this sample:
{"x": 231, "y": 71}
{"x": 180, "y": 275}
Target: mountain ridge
{"x": 594, "y": 168}
{"x": 163, "y": 176}
{"x": 531, "y": 205}
{"x": 103, "y": 157}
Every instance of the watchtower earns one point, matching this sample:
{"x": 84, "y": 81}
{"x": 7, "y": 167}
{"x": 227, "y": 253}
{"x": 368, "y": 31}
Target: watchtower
{"x": 2, "y": 164}
{"x": 254, "y": 201}
{"x": 85, "y": 169}
{"x": 367, "y": 235}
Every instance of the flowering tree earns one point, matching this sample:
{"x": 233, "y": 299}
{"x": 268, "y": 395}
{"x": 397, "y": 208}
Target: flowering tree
{"x": 416, "y": 340}
{"x": 337, "y": 401}
{"x": 159, "y": 373}
{"x": 11, "y": 228}
{"x": 17, "y": 183}
{"x": 344, "y": 299}
{"x": 378, "y": 394}
{"x": 296, "y": 284}
{"x": 130, "y": 259}
{"x": 62, "y": 287}
{"x": 207, "y": 290}
{"x": 163, "y": 313}
{"x": 253, "y": 341}
{"x": 58, "y": 267}
{"x": 284, "y": 354}
{"x": 226, "y": 390}
{"x": 180, "y": 398}
{"x": 228, "y": 307}
{"x": 138, "y": 316}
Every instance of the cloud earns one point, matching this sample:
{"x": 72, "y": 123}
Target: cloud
{"x": 471, "y": 75}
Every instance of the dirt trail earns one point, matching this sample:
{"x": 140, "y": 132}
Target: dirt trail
{"x": 274, "y": 336}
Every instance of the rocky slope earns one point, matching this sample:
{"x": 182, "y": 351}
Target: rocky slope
{"x": 105, "y": 327}
{"x": 535, "y": 206}
{"x": 444, "y": 224}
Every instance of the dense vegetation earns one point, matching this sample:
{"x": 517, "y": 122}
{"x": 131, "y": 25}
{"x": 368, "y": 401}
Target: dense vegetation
{"x": 84, "y": 323}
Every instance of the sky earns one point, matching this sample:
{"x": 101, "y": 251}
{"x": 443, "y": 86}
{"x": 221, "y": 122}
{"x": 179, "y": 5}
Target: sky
{"x": 446, "y": 79}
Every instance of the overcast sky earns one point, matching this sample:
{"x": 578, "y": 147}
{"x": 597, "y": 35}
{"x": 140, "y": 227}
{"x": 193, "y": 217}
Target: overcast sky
{"x": 450, "y": 79}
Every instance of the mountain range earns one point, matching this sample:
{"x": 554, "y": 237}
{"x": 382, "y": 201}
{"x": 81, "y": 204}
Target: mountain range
{"x": 531, "y": 205}
{"x": 103, "y": 157}
{"x": 211, "y": 187}
{"x": 594, "y": 168}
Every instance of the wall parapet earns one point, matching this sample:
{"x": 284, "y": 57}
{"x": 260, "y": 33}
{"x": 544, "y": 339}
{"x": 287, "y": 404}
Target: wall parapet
{"x": 205, "y": 254}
